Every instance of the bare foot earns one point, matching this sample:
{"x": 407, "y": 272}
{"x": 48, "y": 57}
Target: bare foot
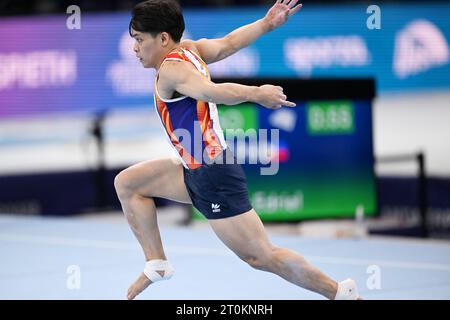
{"x": 138, "y": 286}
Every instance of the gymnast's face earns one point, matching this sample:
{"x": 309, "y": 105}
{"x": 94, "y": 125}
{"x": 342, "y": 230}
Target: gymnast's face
{"x": 149, "y": 50}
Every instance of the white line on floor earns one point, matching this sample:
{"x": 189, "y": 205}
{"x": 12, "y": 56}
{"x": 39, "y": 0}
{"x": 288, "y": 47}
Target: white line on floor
{"x": 116, "y": 245}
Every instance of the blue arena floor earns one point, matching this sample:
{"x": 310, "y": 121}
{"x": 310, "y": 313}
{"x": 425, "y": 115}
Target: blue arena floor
{"x": 36, "y": 255}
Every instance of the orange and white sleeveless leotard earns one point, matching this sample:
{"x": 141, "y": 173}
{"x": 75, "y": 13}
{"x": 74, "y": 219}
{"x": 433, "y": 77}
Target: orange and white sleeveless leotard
{"x": 191, "y": 125}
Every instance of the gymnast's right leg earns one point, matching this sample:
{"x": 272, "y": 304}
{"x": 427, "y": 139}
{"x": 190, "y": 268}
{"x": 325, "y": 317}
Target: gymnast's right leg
{"x": 136, "y": 186}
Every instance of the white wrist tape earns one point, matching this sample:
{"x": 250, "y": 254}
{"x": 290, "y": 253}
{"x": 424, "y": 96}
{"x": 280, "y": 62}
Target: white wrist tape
{"x": 347, "y": 290}
{"x": 152, "y": 266}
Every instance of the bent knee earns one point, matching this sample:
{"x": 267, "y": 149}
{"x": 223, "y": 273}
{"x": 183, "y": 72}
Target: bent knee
{"x": 255, "y": 262}
{"x": 261, "y": 261}
{"x": 123, "y": 184}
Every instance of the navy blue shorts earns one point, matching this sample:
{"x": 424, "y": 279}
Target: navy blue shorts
{"x": 218, "y": 190}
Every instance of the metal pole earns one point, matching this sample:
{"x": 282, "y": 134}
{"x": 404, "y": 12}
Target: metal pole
{"x": 423, "y": 195}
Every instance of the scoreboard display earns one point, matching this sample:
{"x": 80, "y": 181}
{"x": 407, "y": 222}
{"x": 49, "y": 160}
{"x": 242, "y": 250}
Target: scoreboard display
{"x": 311, "y": 161}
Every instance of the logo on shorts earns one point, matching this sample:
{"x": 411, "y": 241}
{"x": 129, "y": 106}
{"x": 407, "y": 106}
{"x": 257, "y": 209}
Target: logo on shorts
{"x": 215, "y": 207}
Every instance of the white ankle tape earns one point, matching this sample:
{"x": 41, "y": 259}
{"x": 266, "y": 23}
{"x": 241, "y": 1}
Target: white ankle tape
{"x": 347, "y": 290}
{"x": 152, "y": 266}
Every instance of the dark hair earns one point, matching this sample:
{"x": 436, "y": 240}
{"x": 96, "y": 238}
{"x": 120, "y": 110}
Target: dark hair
{"x": 156, "y": 16}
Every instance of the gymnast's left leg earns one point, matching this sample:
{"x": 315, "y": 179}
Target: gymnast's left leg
{"x": 245, "y": 235}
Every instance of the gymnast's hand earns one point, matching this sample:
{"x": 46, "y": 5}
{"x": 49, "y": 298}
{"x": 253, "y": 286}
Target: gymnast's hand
{"x": 272, "y": 97}
{"x": 280, "y": 13}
